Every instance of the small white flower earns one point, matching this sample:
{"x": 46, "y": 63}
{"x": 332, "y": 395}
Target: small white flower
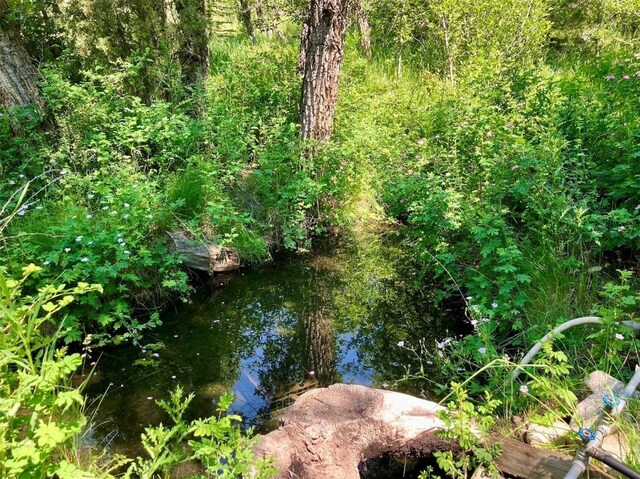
{"x": 429, "y": 362}
{"x": 123, "y": 244}
{"x": 485, "y": 320}
{"x": 22, "y": 211}
{"x": 469, "y": 298}
{"x": 90, "y": 243}
{"x": 443, "y": 343}
{"x": 173, "y": 377}
{"x": 149, "y": 216}
{"x": 20, "y": 175}
{"x": 127, "y": 252}
{"x": 524, "y": 389}
{"x": 482, "y": 350}
{"x": 46, "y": 262}
{"x": 619, "y": 336}
{"x": 126, "y": 217}
{"x": 66, "y": 250}
{"x": 89, "y": 217}
{"x": 114, "y": 212}
{"x": 474, "y": 322}
{"x": 401, "y": 344}
{"x": 149, "y": 398}
{"x": 11, "y": 182}
{"x": 78, "y": 239}
{"x": 126, "y": 205}
{"x": 621, "y": 229}
{"x": 494, "y": 305}
{"x": 84, "y": 259}
{"x": 105, "y": 208}
{"x": 312, "y": 373}
{"x": 91, "y": 196}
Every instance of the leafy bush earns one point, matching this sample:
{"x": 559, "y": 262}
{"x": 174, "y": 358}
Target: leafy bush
{"x": 40, "y": 415}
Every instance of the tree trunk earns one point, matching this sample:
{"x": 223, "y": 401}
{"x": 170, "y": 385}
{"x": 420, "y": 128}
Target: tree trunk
{"x": 194, "y": 26}
{"x": 363, "y": 28}
{"x": 18, "y": 75}
{"x": 245, "y": 14}
{"x": 448, "y": 50}
{"x": 322, "y": 51}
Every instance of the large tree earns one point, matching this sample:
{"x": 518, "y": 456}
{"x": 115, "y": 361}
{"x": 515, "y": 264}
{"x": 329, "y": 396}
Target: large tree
{"x": 18, "y": 75}
{"x": 321, "y": 54}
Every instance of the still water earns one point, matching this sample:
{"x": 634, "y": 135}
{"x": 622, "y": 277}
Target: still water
{"x": 334, "y": 315}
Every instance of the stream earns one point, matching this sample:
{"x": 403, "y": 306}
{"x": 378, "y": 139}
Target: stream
{"x": 334, "y": 315}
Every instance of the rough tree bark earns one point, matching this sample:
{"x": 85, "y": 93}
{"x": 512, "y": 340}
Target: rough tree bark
{"x": 328, "y": 432}
{"x": 321, "y": 54}
{"x": 18, "y": 75}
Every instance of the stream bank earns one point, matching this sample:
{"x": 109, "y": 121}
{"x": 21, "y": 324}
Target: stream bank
{"x": 333, "y": 315}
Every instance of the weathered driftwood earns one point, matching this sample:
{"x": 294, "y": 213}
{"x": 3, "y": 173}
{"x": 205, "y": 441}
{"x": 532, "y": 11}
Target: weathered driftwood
{"x": 204, "y": 257}
{"x": 521, "y": 460}
{"x": 328, "y": 432}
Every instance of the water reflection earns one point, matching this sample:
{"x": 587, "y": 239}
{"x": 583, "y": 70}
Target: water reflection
{"x": 336, "y": 315}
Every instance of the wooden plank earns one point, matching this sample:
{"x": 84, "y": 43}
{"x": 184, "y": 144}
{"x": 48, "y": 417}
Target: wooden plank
{"x": 528, "y": 462}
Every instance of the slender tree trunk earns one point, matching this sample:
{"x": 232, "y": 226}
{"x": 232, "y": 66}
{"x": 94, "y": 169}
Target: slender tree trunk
{"x": 245, "y": 14}
{"x": 322, "y": 51}
{"x": 363, "y": 28}
{"x": 18, "y": 75}
{"x": 447, "y": 46}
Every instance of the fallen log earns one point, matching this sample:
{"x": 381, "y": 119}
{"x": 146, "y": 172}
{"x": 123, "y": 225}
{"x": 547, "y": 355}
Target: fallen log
{"x": 209, "y": 257}
{"x": 328, "y": 432}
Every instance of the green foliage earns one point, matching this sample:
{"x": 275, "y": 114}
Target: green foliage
{"x": 40, "y": 415}
{"x": 462, "y": 39}
{"x": 467, "y": 423}
{"x": 218, "y": 443}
